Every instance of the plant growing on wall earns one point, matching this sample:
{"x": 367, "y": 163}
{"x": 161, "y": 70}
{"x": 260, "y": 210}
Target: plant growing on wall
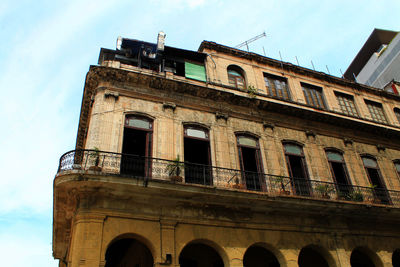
{"x": 324, "y": 190}
{"x": 252, "y": 91}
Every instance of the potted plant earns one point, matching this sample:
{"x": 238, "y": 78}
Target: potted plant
{"x": 324, "y": 190}
{"x": 372, "y": 195}
{"x": 174, "y": 169}
{"x": 95, "y": 157}
{"x": 237, "y": 184}
{"x": 356, "y": 196}
{"x": 282, "y": 186}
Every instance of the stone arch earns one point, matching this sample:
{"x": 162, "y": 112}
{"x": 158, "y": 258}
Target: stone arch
{"x": 314, "y": 255}
{"x": 271, "y": 254}
{"x": 396, "y": 258}
{"x": 129, "y": 241}
{"x": 364, "y": 257}
{"x": 207, "y": 246}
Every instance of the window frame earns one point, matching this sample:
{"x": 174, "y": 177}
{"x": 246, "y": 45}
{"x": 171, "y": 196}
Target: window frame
{"x": 303, "y": 161}
{"x": 372, "y": 105}
{"x": 350, "y": 109}
{"x": 314, "y": 96}
{"x": 271, "y": 87}
{"x": 397, "y": 114}
{"x": 233, "y": 79}
{"x": 259, "y": 163}
{"x": 380, "y": 177}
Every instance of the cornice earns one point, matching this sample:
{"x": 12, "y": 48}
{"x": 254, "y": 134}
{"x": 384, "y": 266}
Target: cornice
{"x": 129, "y": 80}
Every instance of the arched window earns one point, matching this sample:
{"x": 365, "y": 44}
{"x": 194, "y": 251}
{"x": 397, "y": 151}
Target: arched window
{"x": 137, "y": 146}
{"x": 197, "y": 155}
{"x": 311, "y": 256}
{"x": 375, "y": 179}
{"x": 236, "y": 77}
{"x": 250, "y": 162}
{"x": 257, "y": 255}
{"x": 128, "y": 252}
{"x": 199, "y": 254}
{"x": 297, "y": 168}
{"x": 363, "y": 256}
{"x": 339, "y": 173}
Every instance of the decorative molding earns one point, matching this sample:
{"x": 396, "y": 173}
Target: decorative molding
{"x": 348, "y": 141}
{"x": 169, "y": 105}
{"x": 108, "y": 93}
{"x": 380, "y": 148}
{"x": 310, "y": 133}
{"x": 221, "y": 115}
{"x": 268, "y": 125}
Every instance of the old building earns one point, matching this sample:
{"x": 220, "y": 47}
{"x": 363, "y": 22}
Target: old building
{"x": 223, "y": 157}
{"x": 378, "y": 61}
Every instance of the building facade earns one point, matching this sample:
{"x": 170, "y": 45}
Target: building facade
{"x": 222, "y": 157}
{"x": 377, "y": 63}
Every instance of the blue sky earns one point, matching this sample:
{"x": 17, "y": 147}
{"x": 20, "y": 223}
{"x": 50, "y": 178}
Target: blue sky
{"x": 47, "y": 47}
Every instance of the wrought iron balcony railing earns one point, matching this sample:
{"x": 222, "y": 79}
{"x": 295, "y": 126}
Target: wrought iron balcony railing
{"x": 145, "y": 168}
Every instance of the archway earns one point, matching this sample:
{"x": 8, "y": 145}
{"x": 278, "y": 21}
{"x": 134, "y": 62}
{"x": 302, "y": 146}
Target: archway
{"x": 311, "y": 256}
{"x": 128, "y": 252}
{"x": 396, "y": 258}
{"x": 258, "y": 256}
{"x": 200, "y": 255}
{"x": 363, "y": 257}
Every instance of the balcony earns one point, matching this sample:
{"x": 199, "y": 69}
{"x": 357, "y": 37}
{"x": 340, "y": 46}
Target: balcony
{"x": 144, "y": 168}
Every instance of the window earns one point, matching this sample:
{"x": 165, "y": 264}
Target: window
{"x": 397, "y": 113}
{"x": 236, "y": 77}
{"x": 346, "y": 103}
{"x": 250, "y": 162}
{"x": 137, "y": 146}
{"x": 397, "y": 166}
{"x": 276, "y": 86}
{"x": 197, "y": 155}
{"x": 313, "y": 95}
{"x": 375, "y": 179}
{"x": 376, "y": 111}
{"x": 339, "y": 173}
{"x": 296, "y": 164}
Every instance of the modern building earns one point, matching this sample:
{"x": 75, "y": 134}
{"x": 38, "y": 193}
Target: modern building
{"x": 223, "y": 157}
{"x": 377, "y": 64}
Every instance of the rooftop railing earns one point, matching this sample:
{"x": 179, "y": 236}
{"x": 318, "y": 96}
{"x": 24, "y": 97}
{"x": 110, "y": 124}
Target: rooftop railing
{"x": 145, "y": 168}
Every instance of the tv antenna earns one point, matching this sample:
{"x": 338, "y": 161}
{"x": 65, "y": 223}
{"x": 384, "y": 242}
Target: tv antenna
{"x": 246, "y": 43}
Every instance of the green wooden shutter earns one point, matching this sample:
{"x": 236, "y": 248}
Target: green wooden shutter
{"x": 195, "y": 71}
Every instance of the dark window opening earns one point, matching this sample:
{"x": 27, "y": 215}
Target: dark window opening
{"x": 200, "y": 255}
{"x": 379, "y": 188}
{"x": 250, "y": 163}
{"x": 197, "y": 161}
{"x": 250, "y": 168}
{"x": 257, "y": 256}
{"x": 396, "y": 258}
{"x": 298, "y": 174}
{"x": 340, "y": 175}
{"x": 128, "y": 252}
{"x": 136, "y": 147}
{"x": 309, "y": 257}
{"x": 360, "y": 259}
